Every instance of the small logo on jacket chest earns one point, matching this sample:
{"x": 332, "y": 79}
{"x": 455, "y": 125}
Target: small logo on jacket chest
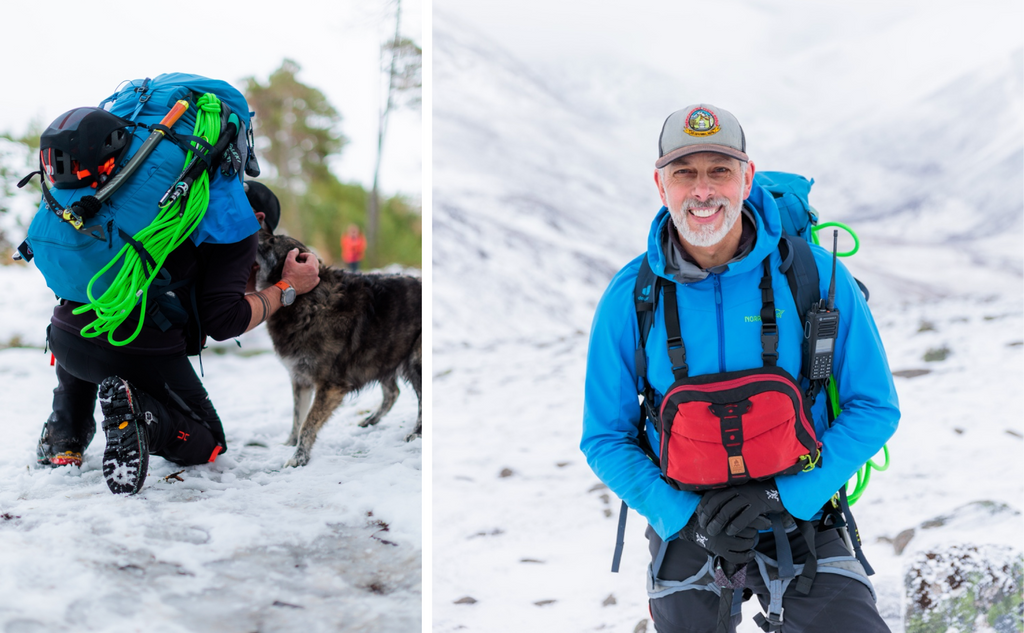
{"x": 757, "y": 317}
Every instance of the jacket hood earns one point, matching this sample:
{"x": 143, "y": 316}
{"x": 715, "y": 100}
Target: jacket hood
{"x": 769, "y": 230}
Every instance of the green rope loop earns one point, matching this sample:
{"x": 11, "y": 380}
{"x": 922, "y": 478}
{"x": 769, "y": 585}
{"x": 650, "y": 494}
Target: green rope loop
{"x": 862, "y": 477}
{"x": 166, "y": 232}
{"x": 840, "y": 225}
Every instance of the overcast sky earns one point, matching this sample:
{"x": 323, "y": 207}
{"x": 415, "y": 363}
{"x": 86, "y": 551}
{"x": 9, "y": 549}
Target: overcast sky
{"x": 61, "y": 54}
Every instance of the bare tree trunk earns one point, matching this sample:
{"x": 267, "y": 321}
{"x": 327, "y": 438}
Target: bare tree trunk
{"x": 373, "y": 212}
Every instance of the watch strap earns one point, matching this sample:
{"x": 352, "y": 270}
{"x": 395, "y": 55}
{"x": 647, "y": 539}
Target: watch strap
{"x": 287, "y": 292}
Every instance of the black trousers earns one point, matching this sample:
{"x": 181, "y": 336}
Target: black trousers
{"x": 837, "y": 604}
{"x": 187, "y": 428}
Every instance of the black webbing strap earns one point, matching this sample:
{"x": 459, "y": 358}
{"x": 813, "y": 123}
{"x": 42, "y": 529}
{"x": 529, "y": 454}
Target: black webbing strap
{"x": 787, "y": 571}
{"x": 51, "y": 202}
{"x": 140, "y": 249}
{"x": 645, "y": 298}
{"x": 620, "y": 537}
{"x": 802, "y": 274}
{"x": 730, "y": 424}
{"x": 769, "y": 327}
{"x": 673, "y": 335}
{"x": 189, "y": 143}
{"x": 24, "y": 181}
{"x": 725, "y": 601}
{"x": 801, "y": 271}
{"x": 646, "y": 291}
{"x": 783, "y": 552}
{"x": 729, "y": 578}
{"x": 851, "y": 526}
{"x": 803, "y": 583}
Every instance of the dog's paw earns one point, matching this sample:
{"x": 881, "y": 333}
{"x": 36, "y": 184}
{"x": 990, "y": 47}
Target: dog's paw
{"x": 410, "y": 437}
{"x": 298, "y": 459}
{"x": 371, "y": 421}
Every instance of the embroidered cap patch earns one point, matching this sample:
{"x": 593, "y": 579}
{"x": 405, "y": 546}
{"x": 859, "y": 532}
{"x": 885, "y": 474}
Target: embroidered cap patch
{"x": 701, "y": 122}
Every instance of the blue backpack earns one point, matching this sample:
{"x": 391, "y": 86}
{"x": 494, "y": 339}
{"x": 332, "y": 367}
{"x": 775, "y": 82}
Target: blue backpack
{"x": 790, "y": 192}
{"x": 70, "y": 258}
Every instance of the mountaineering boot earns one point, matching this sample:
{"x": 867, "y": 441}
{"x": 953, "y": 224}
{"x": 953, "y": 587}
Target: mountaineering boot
{"x": 56, "y": 449}
{"x": 126, "y": 457}
{"x": 49, "y": 455}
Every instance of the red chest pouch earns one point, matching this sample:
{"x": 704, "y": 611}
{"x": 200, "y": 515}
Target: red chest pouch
{"x": 725, "y": 429}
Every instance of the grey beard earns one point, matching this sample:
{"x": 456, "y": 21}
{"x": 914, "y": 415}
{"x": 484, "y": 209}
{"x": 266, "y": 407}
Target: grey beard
{"x": 705, "y": 235}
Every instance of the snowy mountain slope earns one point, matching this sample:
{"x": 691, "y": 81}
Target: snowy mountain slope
{"x": 961, "y": 142}
{"x": 941, "y": 184}
{"x": 239, "y": 545}
{"x": 516, "y": 157}
{"x": 522, "y": 528}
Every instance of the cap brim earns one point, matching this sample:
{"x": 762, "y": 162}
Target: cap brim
{"x": 705, "y": 147}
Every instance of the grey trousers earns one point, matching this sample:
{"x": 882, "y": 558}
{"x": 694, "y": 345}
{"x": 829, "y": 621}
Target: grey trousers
{"x": 836, "y": 603}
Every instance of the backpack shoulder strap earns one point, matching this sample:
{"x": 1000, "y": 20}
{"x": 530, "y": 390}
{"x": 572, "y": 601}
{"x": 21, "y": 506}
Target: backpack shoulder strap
{"x": 801, "y": 271}
{"x": 645, "y": 298}
{"x": 802, "y": 274}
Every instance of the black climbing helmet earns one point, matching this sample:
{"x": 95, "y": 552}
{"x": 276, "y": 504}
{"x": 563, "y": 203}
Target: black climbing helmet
{"x": 83, "y": 148}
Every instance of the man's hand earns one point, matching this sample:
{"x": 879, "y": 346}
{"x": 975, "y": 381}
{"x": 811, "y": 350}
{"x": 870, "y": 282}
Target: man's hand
{"x": 302, "y": 271}
{"x": 733, "y": 510}
{"x": 737, "y": 548}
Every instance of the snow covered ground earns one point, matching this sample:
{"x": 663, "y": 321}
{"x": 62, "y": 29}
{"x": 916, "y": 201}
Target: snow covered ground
{"x": 236, "y": 546}
{"x": 543, "y": 189}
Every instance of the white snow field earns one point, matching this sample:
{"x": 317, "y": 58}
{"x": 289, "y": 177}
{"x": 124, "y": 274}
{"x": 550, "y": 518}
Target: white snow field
{"x": 543, "y": 189}
{"x": 237, "y": 546}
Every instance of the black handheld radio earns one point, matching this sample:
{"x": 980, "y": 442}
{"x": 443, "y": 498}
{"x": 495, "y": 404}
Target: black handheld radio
{"x": 821, "y": 328}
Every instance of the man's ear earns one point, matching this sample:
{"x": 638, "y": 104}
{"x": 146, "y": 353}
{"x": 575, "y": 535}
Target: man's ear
{"x": 750, "y": 179}
{"x": 661, "y": 190}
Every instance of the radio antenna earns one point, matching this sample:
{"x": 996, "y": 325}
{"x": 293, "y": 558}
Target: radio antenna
{"x": 832, "y": 284}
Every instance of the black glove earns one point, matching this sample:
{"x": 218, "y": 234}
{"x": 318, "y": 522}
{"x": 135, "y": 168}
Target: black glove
{"x": 732, "y": 510}
{"x": 738, "y": 548}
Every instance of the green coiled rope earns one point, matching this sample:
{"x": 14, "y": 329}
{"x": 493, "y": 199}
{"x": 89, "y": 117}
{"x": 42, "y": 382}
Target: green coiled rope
{"x": 166, "y": 232}
{"x": 863, "y": 475}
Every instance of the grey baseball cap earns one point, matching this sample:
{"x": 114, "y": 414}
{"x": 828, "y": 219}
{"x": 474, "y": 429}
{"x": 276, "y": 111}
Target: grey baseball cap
{"x": 700, "y": 128}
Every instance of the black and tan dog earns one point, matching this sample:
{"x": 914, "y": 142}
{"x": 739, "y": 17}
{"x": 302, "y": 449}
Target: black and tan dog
{"x": 350, "y": 331}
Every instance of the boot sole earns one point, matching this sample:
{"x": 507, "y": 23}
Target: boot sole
{"x": 126, "y": 457}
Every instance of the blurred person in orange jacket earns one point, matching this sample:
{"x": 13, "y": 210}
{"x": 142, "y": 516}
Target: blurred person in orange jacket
{"x": 353, "y": 246}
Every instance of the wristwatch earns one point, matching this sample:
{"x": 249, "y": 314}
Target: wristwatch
{"x": 287, "y": 292}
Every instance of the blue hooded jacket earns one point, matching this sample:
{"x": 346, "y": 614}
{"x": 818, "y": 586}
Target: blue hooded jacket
{"x": 719, "y": 318}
